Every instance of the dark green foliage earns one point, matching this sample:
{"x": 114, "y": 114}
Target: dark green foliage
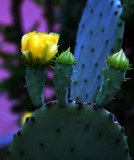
{"x": 67, "y": 14}
{"x": 77, "y": 131}
{"x": 128, "y": 8}
{"x": 15, "y": 85}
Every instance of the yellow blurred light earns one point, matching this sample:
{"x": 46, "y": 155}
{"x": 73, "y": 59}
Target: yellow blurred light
{"x": 25, "y": 115}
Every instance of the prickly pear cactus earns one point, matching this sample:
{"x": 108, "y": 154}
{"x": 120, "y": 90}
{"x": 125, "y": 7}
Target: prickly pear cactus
{"x": 74, "y": 132}
{"x": 67, "y": 129}
{"x": 100, "y": 33}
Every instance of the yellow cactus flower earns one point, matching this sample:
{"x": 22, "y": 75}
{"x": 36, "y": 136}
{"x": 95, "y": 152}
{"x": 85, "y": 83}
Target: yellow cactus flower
{"x": 25, "y": 115}
{"x": 39, "y": 48}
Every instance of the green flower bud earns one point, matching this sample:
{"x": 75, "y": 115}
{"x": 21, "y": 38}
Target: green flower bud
{"x": 119, "y": 61}
{"x": 66, "y": 58}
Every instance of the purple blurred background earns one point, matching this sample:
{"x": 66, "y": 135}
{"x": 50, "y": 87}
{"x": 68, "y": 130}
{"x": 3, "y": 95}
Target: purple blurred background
{"x": 31, "y": 14}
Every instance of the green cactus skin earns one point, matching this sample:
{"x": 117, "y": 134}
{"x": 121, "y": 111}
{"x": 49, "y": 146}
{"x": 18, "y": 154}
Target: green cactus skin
{"x": 62, "y": 80}
{"x": 75, "y": 132}
{"x": 110, "y": 85}
{"x": 35, "y": 80}
{"x": 114, "y": 74}
{"x": 100, "y": 33}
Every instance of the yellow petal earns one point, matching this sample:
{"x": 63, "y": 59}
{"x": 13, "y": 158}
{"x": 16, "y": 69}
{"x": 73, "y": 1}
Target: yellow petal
{"x": 42, "y": 34}
{"x": 51, "y": 51}
{"x": 54, "y": 37}
{"x": 41, "y": 45}
{"x": 25, "y": 41}
{"x": 37, "y": 44}
{"x": 34, "y": 45}
{"x": 43, "y": 38}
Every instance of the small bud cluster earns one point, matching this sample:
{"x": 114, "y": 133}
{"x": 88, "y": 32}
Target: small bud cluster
{"x": 66, "y": 58}
{"x": 119, "y": 61}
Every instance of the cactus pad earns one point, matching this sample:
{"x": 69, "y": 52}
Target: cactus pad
{"x": 78, "y": 131}
{"x": 62, "y": 82}
{"x": 100, "y": 33}
{"x": 110, "y": 85}
{"x": 35, "y": 80}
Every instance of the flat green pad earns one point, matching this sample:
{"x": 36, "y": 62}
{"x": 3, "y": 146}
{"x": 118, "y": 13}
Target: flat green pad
{"x": 100, "y": 33}
{"x": 71, "y": 133}
{"x": 35, "y": 81}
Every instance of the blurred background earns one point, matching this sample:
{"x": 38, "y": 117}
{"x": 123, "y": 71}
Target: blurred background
{"x": 18, "y": 17}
